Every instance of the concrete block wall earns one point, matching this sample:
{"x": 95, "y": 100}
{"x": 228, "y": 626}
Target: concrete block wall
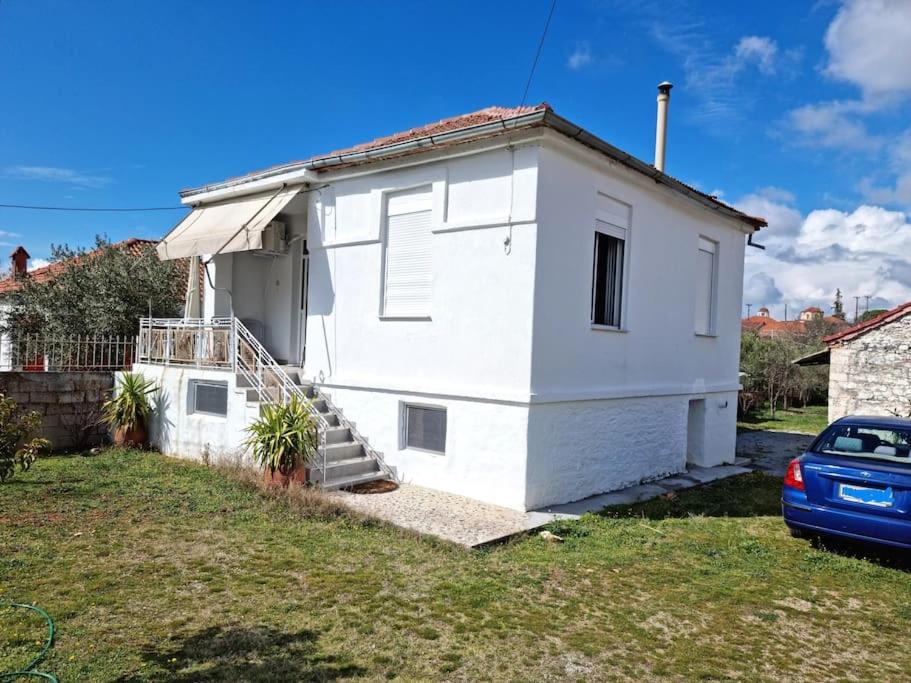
{"x": 69, "y": 403}
{"x": 871, "y": 375}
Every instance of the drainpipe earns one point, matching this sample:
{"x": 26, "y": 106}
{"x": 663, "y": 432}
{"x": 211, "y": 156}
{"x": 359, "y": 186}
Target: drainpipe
{"x": 664, "y": 98}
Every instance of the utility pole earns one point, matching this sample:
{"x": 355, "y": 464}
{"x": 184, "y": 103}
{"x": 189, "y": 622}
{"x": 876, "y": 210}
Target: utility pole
{"x": 867, "y": 307}
{"x": 785, "y": 311}
{"x": 856, "y": 307}
{"x": 749, "y": 306}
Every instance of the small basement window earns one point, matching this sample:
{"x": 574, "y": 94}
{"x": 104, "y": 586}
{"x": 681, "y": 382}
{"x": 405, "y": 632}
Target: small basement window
{"x": 424, "y": 428}
{"x": 207, "y": 397}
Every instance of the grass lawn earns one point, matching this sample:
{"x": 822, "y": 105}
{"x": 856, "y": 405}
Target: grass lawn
{"x": 809, "y": 420}
{"x": 159, "y": 569}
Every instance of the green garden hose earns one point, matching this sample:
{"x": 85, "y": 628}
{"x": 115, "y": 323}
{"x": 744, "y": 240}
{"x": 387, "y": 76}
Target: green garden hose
{"x": 28, "y": 670}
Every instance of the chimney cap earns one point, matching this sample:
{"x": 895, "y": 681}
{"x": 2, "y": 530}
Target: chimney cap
{"x": 22, "y": 249}
{"x": 665, "y": 87}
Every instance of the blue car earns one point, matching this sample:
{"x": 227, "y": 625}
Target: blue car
{"x": 854, "y": 482}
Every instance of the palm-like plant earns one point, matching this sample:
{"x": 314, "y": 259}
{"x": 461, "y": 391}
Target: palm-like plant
{"x": 282, "y": 435}
{"x": 130, "y": 407}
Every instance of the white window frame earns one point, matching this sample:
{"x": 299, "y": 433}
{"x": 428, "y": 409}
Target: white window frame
{"x": 191, "y": 396}
{"x": 622, "y": 235}
{"x": 387, "y": 195}
{"x": 405, "y": 405}
{"x": 706, "y": 244}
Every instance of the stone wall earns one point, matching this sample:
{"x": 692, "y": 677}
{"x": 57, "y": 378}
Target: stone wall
{"x": 69, "y": 402}
{"x": 871, "y": 375}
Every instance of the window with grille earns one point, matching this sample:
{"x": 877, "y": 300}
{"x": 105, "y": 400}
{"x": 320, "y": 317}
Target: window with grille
{"x": 408, "y": 276}
{"x": 706, "y": 279}
{"x": 207, "y": 397}
{"x": 607, "y": 277}
{"x": 425, "y": 428}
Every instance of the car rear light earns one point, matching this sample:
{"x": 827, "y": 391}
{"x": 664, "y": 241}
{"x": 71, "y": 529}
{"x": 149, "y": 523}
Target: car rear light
{"x": 793, "y": 477}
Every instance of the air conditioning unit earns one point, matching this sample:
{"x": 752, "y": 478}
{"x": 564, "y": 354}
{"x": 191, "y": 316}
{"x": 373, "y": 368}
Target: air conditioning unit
{"x": 275, "y": 239}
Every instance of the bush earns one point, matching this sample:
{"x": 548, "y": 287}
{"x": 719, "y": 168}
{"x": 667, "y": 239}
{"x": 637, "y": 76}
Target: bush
{"x": 18, "y": 445}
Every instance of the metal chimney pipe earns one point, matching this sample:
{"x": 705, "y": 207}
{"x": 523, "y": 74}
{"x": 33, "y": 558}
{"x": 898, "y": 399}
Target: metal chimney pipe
{"x": 664, "y": 97}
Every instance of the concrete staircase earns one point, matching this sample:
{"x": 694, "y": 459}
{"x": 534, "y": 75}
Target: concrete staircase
{"x": 349, "y": 459}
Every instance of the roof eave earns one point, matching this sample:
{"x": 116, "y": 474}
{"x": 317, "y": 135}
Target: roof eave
{"x": 581, "y": 135}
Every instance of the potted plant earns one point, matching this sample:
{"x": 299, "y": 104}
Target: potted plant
{"x": 282, "y": 439}
{"x": 128, "y": 411}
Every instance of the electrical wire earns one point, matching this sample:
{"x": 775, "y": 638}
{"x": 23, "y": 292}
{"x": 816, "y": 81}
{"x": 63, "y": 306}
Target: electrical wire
{"x": 34, "y": 207}
{"x": 534, "y": 65}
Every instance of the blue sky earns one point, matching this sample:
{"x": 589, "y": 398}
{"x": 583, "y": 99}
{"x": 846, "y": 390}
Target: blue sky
{"x": 798, "y": 111}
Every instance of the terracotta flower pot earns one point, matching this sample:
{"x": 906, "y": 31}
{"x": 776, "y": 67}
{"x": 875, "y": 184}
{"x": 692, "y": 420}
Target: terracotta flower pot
{"x": 135, "y": 437}
{"x": 282, "y": 477}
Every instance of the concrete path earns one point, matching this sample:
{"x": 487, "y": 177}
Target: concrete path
{"x": 770, "y": 452}
{"x": 472, "y": 523}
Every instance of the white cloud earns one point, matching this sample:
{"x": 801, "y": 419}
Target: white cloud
{"x": 580, "y": 57}
{"x": 53, "y": 174}
{"x": 832, "y": 124}
{"x": 759, "y": 50}
{"x": 714, "y": 76}
{"x": 869, "y": 45}
{"x": 862, "y": 252}
{"x": 38, "y": 263}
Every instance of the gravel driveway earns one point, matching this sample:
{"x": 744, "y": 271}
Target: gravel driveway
{"x": 771, "y": 451}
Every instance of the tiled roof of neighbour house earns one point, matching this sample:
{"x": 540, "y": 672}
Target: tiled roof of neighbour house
{"x": 134, "y": 246}
{"x": 878, "y": 321}
{"x": 473, "y": 126}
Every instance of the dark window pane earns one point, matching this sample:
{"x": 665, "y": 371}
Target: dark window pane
{"x": 607, "y": 280}
{"x": 425, "y": 428}
{"x": 211, "y": 397}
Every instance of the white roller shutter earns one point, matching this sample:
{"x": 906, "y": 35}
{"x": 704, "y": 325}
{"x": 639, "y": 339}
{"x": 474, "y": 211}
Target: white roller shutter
{"x": 408, "y": 286}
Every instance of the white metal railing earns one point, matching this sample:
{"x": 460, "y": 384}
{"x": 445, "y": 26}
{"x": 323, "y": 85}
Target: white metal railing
{"x": 226, "y": 343}
{"x": 187, "y": 341}
{"x": 73, "y": 353}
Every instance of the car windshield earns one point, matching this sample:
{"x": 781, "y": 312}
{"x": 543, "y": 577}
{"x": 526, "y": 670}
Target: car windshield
{"x": 868, "y": 441}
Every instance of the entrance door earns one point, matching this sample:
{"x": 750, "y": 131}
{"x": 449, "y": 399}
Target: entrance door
{"x": 302, "y": 303}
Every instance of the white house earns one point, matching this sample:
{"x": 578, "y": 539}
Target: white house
{"x": 508, "y": 307}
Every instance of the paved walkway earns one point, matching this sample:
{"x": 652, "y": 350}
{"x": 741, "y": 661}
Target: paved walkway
{"x": 472, "y": 523}
{"x": 771, "y": 452}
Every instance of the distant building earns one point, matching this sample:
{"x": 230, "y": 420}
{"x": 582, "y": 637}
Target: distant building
{"x": 766, "y": 326}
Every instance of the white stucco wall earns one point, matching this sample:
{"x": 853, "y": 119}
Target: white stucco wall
{"x": 175, "y": 431}
{"x": 477, "y": 340}
{"x": 659, "y": 351}
{"x": 486, "y": 443}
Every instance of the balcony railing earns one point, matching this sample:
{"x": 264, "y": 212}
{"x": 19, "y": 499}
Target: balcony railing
{"x": 187, "y": 341}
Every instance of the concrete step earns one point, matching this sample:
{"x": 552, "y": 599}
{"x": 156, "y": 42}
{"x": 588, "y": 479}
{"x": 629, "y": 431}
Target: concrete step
{"x": 338, "y": 435}
{"x": 344, "y": 482}
{"x": 320, "y": 406}
{"x": 350, "y": 467}
{"x": 341, "y": 451}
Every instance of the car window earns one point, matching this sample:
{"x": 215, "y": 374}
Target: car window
{"x": 882, "y": 443}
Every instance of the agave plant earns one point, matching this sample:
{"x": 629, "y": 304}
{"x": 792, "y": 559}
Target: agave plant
{"x": 283, "y": 435}
{"x": 130, "y": 407}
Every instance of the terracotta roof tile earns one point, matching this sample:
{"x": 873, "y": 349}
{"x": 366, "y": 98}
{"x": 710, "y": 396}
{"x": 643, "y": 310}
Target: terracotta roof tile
{"x": 134, "y": 246}
{"x": 884, "y": 318}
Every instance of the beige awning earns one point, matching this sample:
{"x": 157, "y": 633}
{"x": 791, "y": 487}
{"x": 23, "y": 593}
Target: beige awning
{"x": 232, "y": 225}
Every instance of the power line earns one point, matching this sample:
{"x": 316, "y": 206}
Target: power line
{"x": 32, "y": 207}
{"x": 534, "y": 65}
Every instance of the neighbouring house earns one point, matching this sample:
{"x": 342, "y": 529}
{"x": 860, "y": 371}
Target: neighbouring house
{"x": 509, "y": 308}
{"x": 765, "y": 325}
{"x": 19, "y": 274}
{"x": 869, "y": 366}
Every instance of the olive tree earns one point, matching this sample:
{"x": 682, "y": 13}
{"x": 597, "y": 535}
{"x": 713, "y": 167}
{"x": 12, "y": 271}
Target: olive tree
{"x": 100, "y": 292}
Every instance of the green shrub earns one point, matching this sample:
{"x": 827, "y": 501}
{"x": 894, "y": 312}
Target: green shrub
{"x": 130, "y": 407}
{"x": 281, "y": 434}
{"x": 18, "y": 445}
